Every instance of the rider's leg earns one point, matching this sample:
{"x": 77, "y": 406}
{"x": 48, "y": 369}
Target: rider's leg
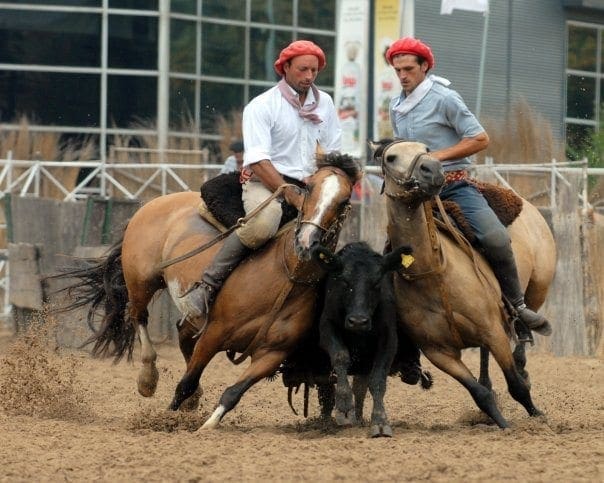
{"x": 496, "y": 246}
{"x": 237, "y": 246}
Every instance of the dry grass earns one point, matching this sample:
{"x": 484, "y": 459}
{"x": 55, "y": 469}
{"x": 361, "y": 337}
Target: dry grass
{"x": 525, "y": 137}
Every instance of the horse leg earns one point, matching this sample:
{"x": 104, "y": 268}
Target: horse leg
{"x": 262, "y": 366}
{"x": 148, "y": 374}
{"x": 517, "y": 386}
{"x": 186, "y": 343}
{"x": 204, "y": 349}
{"x": 484, "y": 377}
{"x": 453, "y": 365}
{"x": 359, "y": 391}
{"x": 520, "y": 360}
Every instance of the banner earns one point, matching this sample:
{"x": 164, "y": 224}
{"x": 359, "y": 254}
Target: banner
{"x": 351, "y": 80}
{"x": 447, "y": 6}
{"x": 385, "y": 81}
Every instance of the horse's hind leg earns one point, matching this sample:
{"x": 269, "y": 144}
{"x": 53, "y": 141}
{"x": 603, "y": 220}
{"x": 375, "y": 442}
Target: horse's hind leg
{"x": 520, "y": 360}
{"x": 483, "y": 397}
{"x": 186, "y": 343}
{"x": 484, "y": 377}
{"x": 517, "y": 386}
{"x": 148, "y": 374}
{"x": 261, "y": 367}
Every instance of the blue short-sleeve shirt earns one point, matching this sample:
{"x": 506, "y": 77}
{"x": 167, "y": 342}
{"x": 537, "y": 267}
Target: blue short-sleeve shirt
{"x": 440, "y": 120}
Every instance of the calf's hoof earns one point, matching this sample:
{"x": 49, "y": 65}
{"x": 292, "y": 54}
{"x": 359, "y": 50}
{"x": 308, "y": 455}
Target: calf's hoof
{"x": 381, "y": 431}
{"x": 345, "y": 419}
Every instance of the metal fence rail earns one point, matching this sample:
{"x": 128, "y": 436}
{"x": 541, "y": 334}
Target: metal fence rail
{"x": 26, "y": 178}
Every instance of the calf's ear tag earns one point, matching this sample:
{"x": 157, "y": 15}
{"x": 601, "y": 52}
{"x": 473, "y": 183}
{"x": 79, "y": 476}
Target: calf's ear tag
{"x": 407, "y": 260}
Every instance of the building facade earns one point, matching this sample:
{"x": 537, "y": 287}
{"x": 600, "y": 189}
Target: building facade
{"x": 155, "y": 67}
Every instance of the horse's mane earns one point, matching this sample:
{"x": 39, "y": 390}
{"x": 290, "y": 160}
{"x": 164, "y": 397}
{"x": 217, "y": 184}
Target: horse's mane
{"x": 343, "y": 161}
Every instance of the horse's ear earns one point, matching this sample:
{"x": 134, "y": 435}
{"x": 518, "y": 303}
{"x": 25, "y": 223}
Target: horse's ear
{"x": 397, "y": 258}
{"x": 327, "y": 259}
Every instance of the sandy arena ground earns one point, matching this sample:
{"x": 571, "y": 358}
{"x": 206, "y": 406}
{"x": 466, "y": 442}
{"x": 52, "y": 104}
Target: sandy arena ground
{"x": 67, "y": 417}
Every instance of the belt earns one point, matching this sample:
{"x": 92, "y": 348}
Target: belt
{"x": 458, "y": 175}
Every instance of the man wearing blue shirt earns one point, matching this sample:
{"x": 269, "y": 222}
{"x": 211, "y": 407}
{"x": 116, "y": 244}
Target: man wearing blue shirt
{"x": 430, "y": 112}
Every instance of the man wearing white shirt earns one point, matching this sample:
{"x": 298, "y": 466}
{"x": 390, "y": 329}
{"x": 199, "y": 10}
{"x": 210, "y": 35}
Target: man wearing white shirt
{"x": 282, "y": 129}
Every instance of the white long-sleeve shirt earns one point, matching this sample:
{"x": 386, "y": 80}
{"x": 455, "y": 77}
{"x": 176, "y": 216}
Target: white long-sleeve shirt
{"x": 273, "y": 130}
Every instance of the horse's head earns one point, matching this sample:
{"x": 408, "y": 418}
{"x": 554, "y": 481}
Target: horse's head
{"x": 326, "y": 203}
{"x": 409, "y": 170}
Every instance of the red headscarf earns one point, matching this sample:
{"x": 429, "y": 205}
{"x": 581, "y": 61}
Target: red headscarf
{"x": 409, "y": 45}
{"x": 299, "y": 47}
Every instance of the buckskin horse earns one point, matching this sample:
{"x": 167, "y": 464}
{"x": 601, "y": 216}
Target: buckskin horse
{"x": 448, "y": 298}
{"x": 265, "y": 306}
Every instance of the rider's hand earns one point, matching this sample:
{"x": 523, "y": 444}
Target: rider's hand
{"x": 293, "y": 195}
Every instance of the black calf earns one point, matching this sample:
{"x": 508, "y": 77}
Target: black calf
{"x": 358, "y": 328}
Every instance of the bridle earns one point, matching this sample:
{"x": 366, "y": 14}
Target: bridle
{"x": 330, "y": 232}
{"x": 406, "y": 181}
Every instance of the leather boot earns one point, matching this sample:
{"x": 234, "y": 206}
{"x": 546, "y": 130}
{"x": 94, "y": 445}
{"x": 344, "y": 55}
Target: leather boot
{"x": 202, "y": 296}
{"x": 504, "y": 266}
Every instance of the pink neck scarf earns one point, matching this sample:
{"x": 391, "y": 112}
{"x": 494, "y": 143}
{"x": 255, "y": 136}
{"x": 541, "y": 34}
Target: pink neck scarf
{"x": 304, "y": 111}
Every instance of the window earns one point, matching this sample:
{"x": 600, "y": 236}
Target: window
{"x": 132, "y": 42}
{"x": 584, "y": 86}
{"x": 52, "y": 38}
{"x": 68, "y": 99}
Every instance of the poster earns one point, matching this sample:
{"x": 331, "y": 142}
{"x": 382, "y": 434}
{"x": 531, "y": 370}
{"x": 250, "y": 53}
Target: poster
{"x": 351, "y": 74}
{"x": 385, "y": 82}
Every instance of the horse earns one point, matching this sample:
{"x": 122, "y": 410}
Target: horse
{"x": 448, "y": 298}
{"x": 263, "y": 309}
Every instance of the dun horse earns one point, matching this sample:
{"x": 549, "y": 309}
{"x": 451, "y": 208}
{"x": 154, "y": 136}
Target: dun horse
{"x": 448, "y": 298}
{"x": 264, "y": 308}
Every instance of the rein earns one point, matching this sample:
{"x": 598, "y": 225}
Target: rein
{"x": 222, "y": 236}
{"x": 330, "y": 235}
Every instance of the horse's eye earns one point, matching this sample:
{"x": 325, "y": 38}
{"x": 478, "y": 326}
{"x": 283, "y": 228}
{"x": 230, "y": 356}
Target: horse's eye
{"x": 391, "y": 158}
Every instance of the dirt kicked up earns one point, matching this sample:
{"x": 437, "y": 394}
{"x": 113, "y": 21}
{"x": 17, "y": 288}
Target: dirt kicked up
{"x": 67, "y": 417}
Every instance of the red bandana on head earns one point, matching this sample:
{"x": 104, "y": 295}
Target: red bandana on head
{"x": 409, "y": 45}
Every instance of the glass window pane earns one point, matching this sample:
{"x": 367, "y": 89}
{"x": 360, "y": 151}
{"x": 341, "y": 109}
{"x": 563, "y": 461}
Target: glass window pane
{"x": 233, "y": 9}
{"x": 582, "y": 43}
{"x": 272, "y": 11}
{"x": 50, "y": 98}
{"x": 580, "y": 97}
{"x": 184, "y": 6}
{"x": 578, "y": 140}
{"x": 72, "y": 3}
{"x": 257, "y": 90}
{"x": 217, "y": 48}
{"x": 134, "y": 4}
{"x": 182, "y": 46}
{"x": 265, "y": 45}
{"x": 131, "y": 99}
{"x": 328, "y": 44}
{"x": 317, "y": 14}
{"x": 132, "y": 42}
{"x": 182, "y": 102}
{"x": 54, "y": 38}
{"x": 218, "y": 100}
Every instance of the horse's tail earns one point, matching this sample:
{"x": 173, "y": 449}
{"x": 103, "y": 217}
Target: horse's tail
{"x": 100, "y": 285}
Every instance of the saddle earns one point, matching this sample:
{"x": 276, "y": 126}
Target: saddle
{"x": 506, "y": 204}
{"x": 222, "y": 202}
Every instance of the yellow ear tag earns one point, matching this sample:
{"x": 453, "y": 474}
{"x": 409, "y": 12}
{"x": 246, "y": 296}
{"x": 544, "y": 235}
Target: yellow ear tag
{"x": 407, "y": 260}
{"x": 322, "y": 256}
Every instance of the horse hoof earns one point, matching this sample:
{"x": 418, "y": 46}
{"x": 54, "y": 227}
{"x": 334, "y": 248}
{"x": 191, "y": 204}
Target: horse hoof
{"x": 345, "y": 419}
{"x": 192, "y": 402}
{"x": 147, "y": 381}
{"x": 381, "y": 431}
